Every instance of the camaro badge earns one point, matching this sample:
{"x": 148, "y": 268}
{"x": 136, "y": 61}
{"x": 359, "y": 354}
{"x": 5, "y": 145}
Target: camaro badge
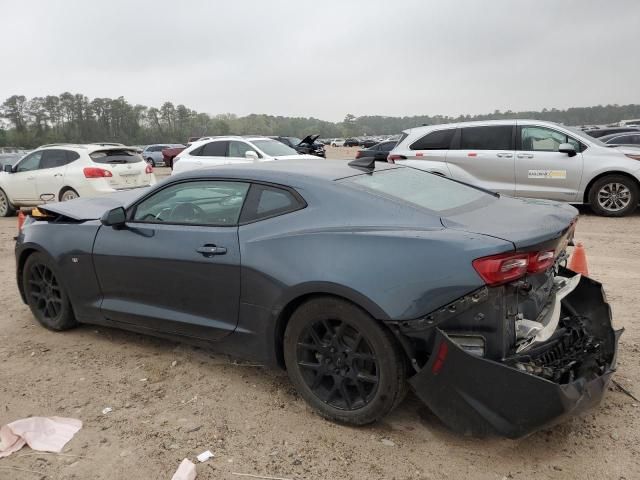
{"x": 560, "y": 174}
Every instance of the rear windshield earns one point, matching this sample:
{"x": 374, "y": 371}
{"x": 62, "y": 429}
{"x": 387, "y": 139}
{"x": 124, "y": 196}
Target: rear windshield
{"x": 273, "y": 148}
{"x": 116, "y": 156}
{"x": 420, "y": 188}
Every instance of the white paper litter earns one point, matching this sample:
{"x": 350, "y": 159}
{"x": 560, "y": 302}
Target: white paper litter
{"x": 204, "y": 456}
{"x": 107, "y": 410}
{"x": 186, "y": 471}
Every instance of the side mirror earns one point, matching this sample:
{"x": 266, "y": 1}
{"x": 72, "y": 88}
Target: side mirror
{"x": 567, "y": 148}
{"x": 251, "y": 155}
{"x": 7, "y": 168}
{"x": 115, "y": 217}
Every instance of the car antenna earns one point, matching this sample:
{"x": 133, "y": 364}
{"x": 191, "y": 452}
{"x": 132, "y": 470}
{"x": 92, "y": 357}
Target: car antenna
{"x": 368, "y": 163}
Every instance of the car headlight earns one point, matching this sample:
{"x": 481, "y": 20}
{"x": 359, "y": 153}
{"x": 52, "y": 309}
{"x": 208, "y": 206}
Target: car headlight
{"x": 634, "y": 156}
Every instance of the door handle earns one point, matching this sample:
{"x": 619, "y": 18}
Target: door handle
{"x": 525, "y": 155}
{"x": 31, "y": 178}
{"x": 58, "y": 175}
{"x": 211, "y": 250}
{"x": 504, "y": 155}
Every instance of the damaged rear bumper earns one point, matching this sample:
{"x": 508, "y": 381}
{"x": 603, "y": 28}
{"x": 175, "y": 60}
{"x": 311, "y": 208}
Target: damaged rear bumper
{"x": 476, "y": 396}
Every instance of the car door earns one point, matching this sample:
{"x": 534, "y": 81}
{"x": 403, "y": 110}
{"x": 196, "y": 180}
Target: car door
{"x": 21, "y": 187}
{"x": 49, "y": 178}
{"x": 175, "y": 268}
{"x": 484, "y": 156}
{"x": 237, "y": 150}
{"x": 211, "y": 154}
{"x": 541, "y": 170}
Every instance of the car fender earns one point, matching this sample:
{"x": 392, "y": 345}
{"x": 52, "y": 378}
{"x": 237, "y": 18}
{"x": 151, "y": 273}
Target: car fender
{"x": 589, "y": 176}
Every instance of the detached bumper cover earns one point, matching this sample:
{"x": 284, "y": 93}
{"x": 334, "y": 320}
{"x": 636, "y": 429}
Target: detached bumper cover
{"x": 476, "y": 396}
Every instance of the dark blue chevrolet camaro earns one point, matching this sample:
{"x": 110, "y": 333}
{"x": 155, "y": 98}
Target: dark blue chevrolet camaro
{"x": 358, "y": 280}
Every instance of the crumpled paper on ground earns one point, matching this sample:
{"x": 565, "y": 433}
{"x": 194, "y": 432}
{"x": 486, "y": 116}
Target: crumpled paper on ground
{"x": 45, "y": 434}
{"x": 186, "y": 471}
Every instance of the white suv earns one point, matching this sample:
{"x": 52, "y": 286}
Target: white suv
{"x": 214, "y": 151}
{"x": 62, "y": 172}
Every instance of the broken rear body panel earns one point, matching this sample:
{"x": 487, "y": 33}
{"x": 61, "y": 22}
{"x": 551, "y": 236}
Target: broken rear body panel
{"x": 506, "y": 391}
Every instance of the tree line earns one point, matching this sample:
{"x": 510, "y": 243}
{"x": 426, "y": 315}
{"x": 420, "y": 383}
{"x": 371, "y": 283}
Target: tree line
{"x": 74, "y": 118}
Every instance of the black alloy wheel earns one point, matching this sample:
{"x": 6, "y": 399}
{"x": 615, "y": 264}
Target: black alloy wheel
{"x": 345, "y": 364}
{"x": 338, "y": 364}
{"x": 45, "y": 295}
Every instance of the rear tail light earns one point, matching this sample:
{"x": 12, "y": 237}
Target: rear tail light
{"x": 503, "y": 268}
{"x": 148, "y": 169}
{"x": 507, "y": 267}
{"x": 635, "y": 157}
{"x": 394, "y": 158}
{"x": 95, "y": 172}
{"x": 540, "y": 261}
{"x": 358, "y": 153}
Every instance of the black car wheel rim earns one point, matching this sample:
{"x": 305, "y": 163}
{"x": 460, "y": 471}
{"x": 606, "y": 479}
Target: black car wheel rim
{"x": 44, "y": 291}
{"x": 338, "y": 364}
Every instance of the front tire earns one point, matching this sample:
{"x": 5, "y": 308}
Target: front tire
{"x": 614, "y": 196}
{"x": 45, "y": 295}
{"x": 344, "y": 363}
{"x": 151, "y": 162}
{"x": 6, "y": 209}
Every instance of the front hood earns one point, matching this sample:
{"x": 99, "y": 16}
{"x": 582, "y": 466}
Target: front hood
{"x": 523, "y": 222}
{"x": 308, "y": 140}
{"x": 82, "y": 209}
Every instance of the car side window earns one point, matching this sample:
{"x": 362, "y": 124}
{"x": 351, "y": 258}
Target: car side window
{"x": 53, "y": 158}
{"x": 238, "y": 149}
{"x": 265, "y": 201}
{"x": 206, "y": 202}
{"x": 438, "y": 140}
{"x": 498, "y": 137}
{"x": 541, "y": 139}
{"x": 215, "y": 149}
{"x": 30, "y": 162}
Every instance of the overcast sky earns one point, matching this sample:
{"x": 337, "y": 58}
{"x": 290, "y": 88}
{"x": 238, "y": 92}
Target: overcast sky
{"x": 326, "y": 58}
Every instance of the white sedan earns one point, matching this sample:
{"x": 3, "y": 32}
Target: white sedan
{"x": 63, "y": 172}
{"x": 214, "y": 151}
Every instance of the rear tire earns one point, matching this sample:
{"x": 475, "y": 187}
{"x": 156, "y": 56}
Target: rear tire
{"x": 6, "y": 209}
{"x": 45, "y": 295}
{"x": 344, "y": 363}
{"x": 68, "y": 194}
{"x": 614, "y": 196}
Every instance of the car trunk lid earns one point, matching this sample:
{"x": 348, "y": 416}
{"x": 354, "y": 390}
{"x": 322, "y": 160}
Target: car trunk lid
{"x": 523, "y": 222}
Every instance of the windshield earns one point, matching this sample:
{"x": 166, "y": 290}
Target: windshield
{"x": 584, "y": 136}
{"x": 116, "y": 156}
{"x": 419, "y": 188}
{"x": 273, "y": 148}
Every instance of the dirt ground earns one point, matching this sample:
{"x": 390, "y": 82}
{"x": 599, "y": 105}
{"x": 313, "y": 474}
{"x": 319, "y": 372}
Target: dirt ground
{"x": 172, "y": 401}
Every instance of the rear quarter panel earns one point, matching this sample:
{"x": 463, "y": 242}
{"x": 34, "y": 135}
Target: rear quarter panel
{"x": 402, "y": 269}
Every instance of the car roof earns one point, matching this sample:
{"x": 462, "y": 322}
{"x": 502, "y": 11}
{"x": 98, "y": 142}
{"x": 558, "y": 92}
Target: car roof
{"x": 618, "y": 135}
{"x": 89, "y": 147}
{"x": 478, "y": 123}
{"x": 286, "y": 171}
